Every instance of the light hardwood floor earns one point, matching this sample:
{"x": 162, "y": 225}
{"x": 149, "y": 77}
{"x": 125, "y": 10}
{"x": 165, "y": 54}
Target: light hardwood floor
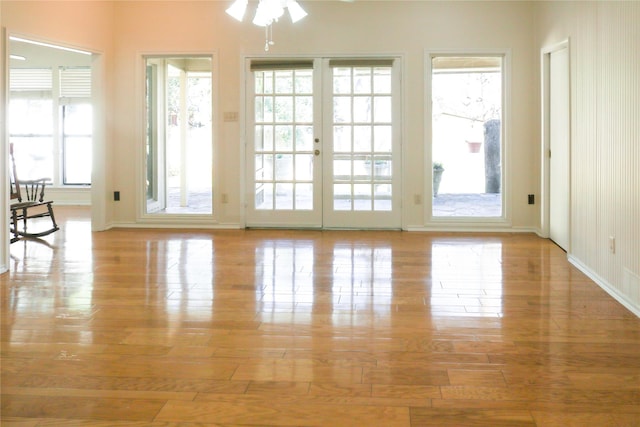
{"x": 309, "y": 328}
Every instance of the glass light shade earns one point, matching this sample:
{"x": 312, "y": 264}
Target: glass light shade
{"x": 295, "y": 11}
{"x": 237, "y": 9}
{"x": 262, "y": 18}
{"x": 268, "y": 11}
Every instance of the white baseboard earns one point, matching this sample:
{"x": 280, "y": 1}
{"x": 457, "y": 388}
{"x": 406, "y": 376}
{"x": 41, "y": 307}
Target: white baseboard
{"x": 471, "y": 228}
{"x": 606, "y": 286}
{"x": 174, "y": 226}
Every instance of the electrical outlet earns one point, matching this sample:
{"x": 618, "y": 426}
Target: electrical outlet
{"x": 612, "y": 244}
{"x": 531, "y": 199}
{"x": 116, "y": 196}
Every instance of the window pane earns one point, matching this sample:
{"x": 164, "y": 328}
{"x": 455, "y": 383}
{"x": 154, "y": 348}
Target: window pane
{"x": 304, "y": 138}
{"x": 284, "y": 81}
{"x": 78, "y": 119}
{"x": 264, "y": 196}
{"x": 77, "y": 160}
{"x": 304, "y": 196}
{"x": 304, "y": 109}
{"x": 304, "y": 81}
{"x": 341, "y": 109}
{"x": 264, "y": 167}
{"x": 382, "y": 139}
{"x": 284, "y": 109}
{"x": 342, "y": 197}
{"x": 382, "y": 80}
{"x": 284, "y": 196}
{"x": 267, "y": 141}
{"x": 467, "y": 112}
{"x": 267, "y": 110}
{"x": 362, "y": 197}
{"x": 342, "y": 168}
{"x": 362, "y": 139}
{"x": 341, "y": 139}
{"x": 259, "y": 106}
{"x": 382, "y": 109}
{"x": 304, "y": 167}
{"x": 362, "y": 80}
{"x": 259, "y": 82}
{"x": 33, "y": 156}
{"x": 31, "y": 117}
{"x": 382, "y": 167}
{"x": 259, "y": 138}
{"x": 268, "y": 82}
{"x": 341, "y": 80}
{"x": 362, "y": 109}
{"x": 284, "y": 138}
{"x": 362, "y": 168}
{"x": 284, "y": 167}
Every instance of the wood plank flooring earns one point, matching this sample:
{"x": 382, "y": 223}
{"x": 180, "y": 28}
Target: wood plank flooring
{"x": 309, "y": 328}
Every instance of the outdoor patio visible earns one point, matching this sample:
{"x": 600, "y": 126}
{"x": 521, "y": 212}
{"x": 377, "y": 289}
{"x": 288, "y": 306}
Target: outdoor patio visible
{"x": 472, "y": 205}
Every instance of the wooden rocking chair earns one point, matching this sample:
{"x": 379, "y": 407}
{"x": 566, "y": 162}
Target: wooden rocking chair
{"x": 27, "y": 202}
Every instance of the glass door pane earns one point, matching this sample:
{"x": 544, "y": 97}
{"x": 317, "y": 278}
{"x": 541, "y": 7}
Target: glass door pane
{"x": 323, "y": 145}
{"x": 179, "y": 159}
{"x": 365, "y": 147}
{"x": 284, "y": 148}
{"x": 466, "y": 144}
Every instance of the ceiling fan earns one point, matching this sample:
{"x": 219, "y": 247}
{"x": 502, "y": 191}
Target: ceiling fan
{"x": 268, "y": 12}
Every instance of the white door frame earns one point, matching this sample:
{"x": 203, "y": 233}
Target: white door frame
{"x": 545, "y": 61}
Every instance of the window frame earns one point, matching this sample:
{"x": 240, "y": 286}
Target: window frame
{"x": 29, "y": 86}
{"x": 454, "y": 223}
{"x": 189, "y": 220}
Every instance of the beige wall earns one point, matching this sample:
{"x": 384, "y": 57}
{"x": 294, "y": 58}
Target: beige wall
{"x": 605, "y": 146}
{"x": 124, "y": 30}
{"x": 406, "y": 28}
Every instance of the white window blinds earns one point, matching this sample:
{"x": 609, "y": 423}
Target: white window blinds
{"x": 75, "y": 82}
{"x": 30, "y": 79}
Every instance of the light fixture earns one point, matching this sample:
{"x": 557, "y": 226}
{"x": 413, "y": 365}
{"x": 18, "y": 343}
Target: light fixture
{"x": 238, "y": 8}
{"x": 37, "y": 43}
{"x": 268, "y": 13}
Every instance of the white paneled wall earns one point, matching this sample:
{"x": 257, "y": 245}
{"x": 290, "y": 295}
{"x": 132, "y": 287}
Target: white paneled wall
{"x": 606, "y": 145}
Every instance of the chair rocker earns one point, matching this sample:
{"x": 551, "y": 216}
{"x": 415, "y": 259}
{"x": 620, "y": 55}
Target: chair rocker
{"x": 28, "y": 202}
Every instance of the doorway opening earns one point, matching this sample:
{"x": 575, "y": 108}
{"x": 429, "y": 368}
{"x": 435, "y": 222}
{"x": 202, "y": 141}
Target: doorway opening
{"x": 179, "y": 161}
{"x": 556, "y": 144}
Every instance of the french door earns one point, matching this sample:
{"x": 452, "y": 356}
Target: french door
{"x": 323, "y": 144}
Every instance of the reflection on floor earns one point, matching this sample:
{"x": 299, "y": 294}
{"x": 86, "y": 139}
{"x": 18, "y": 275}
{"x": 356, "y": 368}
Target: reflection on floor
{"x": 309, "y": 328}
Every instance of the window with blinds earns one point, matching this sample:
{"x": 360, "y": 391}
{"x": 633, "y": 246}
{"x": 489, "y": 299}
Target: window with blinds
{"x": 43, "y": 102}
